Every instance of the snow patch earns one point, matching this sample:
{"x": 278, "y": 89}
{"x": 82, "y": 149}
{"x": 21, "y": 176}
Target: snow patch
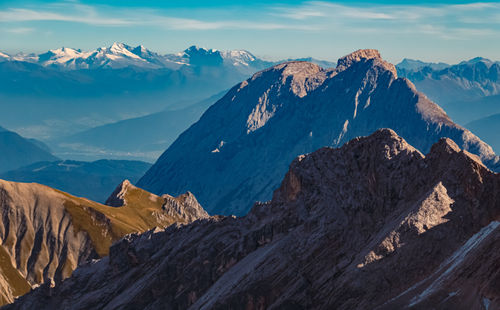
{"x": 342, "y": 133}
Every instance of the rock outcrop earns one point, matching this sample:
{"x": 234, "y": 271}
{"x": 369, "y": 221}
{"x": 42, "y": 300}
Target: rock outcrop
{"x": 45, "y": 233}
{"x": 240, "y": 149}
{"x": 373, "y": 224}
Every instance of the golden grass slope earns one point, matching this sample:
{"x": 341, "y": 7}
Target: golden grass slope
{"x": 46, "y": 233}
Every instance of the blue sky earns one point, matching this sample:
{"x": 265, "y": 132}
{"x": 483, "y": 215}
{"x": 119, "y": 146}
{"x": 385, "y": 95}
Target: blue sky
{"x": 447, "y": 31}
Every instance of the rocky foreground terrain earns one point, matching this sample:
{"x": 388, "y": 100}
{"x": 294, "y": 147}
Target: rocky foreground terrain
{"x": 373, "y": 224}
{"x": 239, "y": 150}
{"x": 45, "y": 233}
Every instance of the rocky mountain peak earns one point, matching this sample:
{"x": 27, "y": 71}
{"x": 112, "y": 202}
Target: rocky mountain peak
{"x": 383, "y": 146}
{"x": 295, "y": 108}
{"x": 358, "y": 55}
{"x": 296, "y": 69}
{"x": 363, "y": 55}
{"x": 445, "y": 145}
{"x": 446, "y": 150}
{"x": 370, "y": 225}
{"x": 117, "y": 198}
{"x": 184, "y": 206}
{"x": 301, "y": 76}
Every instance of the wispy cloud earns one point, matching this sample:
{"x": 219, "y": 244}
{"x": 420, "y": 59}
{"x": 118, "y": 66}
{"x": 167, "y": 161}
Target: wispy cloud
{"x": 21, "y": 30}
{"x": 91, "y": 17}
{"x": 449, "y": 22}
{"x": 101, "y": 16}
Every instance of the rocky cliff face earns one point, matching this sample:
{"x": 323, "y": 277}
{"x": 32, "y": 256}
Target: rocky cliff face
{"x": 371, "y": 225}
{"x": 45, "y": 234}
{"x": 240, "y": 149}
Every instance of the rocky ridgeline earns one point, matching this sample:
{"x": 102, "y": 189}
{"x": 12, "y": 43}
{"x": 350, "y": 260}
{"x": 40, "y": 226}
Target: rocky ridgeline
{"x": 373, "y": 224}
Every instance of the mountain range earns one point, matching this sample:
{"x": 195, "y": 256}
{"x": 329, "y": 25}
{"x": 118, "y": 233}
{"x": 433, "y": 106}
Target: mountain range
{"x": 240, "y": 149}
{"x": 467, "y": 91}
{"x": 73, "y": 90}
{"x": 373, "y": 224}
{"x": 360, "y": 219}
{"x": 412, "y": 65}
{"x": 92, "y": 180}
{"x": 45, "y": 233}
{"x": 120, "y": 55}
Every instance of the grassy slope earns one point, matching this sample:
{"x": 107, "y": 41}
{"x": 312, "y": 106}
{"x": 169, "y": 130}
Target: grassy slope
{"x": 18, "y": 284}
{"x": 103, "y": 224}
{"x": 106, "y": 224}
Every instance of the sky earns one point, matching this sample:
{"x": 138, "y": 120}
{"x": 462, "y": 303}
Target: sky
{"x": 437, "y": 31}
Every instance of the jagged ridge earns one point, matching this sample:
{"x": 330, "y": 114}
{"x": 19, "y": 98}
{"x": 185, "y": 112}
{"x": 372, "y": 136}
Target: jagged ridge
{"x": 368, "y": 225}
{"x": 45, "y": 233}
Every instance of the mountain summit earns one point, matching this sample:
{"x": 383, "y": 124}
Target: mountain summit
{"x": 240, "y": 148}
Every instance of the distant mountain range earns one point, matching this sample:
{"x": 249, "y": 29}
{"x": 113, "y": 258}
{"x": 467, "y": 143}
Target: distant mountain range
{"x": 16, "y": 151}
{"x": 92, "y": 180}
{"x": 240, "y": 148}
{"x": 411, "y": 65}
{"x": 74, "y": 90}
{"x": 467, "y": 91}
{"x": 81, "y": 97}
{"x": 120, "y": 55}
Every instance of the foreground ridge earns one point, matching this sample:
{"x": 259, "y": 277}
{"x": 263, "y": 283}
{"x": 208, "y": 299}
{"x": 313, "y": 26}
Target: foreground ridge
{"x": 45, "y": 233}
{"x": 372, "y": 224}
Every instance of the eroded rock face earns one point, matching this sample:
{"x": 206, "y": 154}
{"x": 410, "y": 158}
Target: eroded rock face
{"x": 239, "y": 150}
{"x": 373, "y": 224}
{"x": 45, "y": 234}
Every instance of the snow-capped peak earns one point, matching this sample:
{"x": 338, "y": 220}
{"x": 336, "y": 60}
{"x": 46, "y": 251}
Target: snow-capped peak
{"x": 120, "y": 55}
{"x": 66, "y": 52}
{"x": 122, "y": 50}
{"x": 238, "y": 57}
